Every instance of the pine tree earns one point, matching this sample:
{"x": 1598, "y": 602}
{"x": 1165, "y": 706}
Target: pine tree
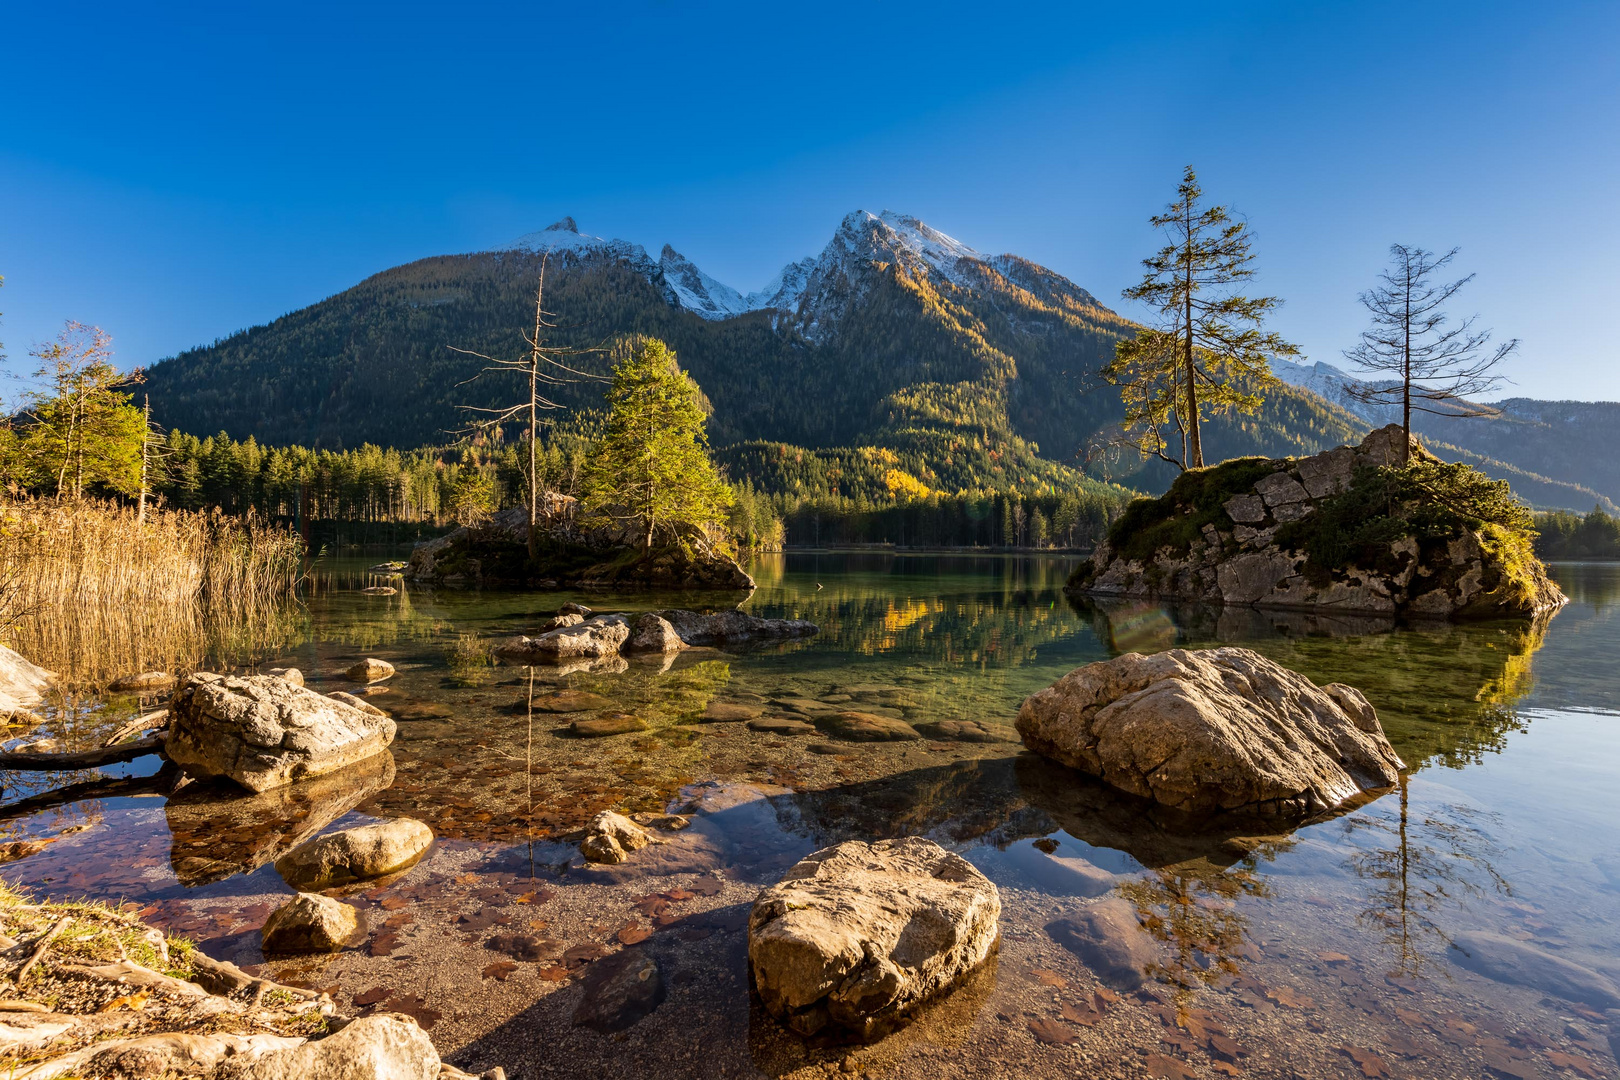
{"x": 1435, "y": 367}
{"x": 1209, "y": 354}
{"x": 651, "y": 471}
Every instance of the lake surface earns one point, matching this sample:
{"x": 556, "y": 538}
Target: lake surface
{"x": 1326, "y": 951}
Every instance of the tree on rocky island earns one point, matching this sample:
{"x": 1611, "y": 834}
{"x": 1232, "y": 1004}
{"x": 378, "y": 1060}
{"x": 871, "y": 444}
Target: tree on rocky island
{"x": 541, "y": 367}
{"x": 1209, "y": 354}
{"x": 1436, "y": 368}
{"x": 651, "y": 471}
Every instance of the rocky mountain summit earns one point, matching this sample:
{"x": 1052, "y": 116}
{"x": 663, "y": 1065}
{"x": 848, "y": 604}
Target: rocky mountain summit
{"x": 1346, "y": 530}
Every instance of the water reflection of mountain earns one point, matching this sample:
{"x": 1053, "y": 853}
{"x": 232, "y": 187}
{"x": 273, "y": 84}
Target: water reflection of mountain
{"x": 1446, "y": 692}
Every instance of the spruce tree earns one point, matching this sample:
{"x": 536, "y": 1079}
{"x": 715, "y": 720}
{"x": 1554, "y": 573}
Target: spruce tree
{"x": 1436, "y": 367}
{"x": 651, "y": 472}
{"x": 1209, "y": 353}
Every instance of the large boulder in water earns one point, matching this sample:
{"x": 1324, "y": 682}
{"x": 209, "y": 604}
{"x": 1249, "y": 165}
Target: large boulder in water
{"x": 1207, "y": 730}
{"x": 22, "y": 683}
{"x": 592, "y": 639}
{"x": 367, "y": 851}
{"x": 263, "y": 732}
{"x": 858, "y": 935}
{"x": 734, "y": 627}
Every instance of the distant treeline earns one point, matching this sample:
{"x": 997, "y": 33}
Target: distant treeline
{"x": 1565, "y": 535}
{"x": 377, "y": 495}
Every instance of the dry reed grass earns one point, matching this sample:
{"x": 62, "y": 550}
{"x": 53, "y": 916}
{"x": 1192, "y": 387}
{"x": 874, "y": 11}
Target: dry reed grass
{"x": 90, "y": 591}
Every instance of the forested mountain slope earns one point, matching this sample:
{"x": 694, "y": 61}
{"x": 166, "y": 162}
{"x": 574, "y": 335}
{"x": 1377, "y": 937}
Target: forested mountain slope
{"x": 975, "y": 369}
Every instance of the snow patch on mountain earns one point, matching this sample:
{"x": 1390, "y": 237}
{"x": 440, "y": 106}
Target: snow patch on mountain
{"x": 1334, "y": 385}
{"x": 696, "y": 291}
{"x": 564, "y": 240}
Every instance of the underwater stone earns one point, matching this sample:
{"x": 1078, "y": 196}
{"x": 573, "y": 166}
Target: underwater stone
{"x": 310, "y": 922}
{"x": 368, "y": 851}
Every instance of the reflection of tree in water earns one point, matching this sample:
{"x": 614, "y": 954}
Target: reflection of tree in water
{"x": 1195, "y": 913}
{"x": 1427, "y": 865}
{"x": 1445, "y": 692}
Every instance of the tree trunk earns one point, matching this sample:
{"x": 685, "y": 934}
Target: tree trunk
{"x": 1406, "y": 378}
{"x": 1195, "y": 442}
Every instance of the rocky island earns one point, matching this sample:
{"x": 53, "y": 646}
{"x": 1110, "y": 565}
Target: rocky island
{"x": 497, "y": 553}
{"x": 1348, "y": 530}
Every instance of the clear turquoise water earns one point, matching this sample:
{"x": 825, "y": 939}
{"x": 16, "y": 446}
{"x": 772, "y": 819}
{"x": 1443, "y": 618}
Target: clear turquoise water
{"x": 1507, "y": 820}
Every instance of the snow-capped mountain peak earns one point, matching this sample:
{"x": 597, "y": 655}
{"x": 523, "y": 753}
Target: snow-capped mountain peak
{"x": 565, "y": 240}
{"x": 696, "y": 291}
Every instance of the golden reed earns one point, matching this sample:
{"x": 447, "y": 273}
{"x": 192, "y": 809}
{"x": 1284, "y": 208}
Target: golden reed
{"x": 92, "y": 592}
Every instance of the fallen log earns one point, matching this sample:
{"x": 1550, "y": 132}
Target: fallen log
{"x": 151, "y": 721}
{"x": 82, "y": 759}
{"x": 112, "y": 787}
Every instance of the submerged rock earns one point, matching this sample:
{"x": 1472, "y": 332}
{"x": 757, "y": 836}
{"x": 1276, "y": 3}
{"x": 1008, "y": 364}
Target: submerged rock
{"x": 309, "y": 923}
{"x": 733, "y": 627}
{"x": 865, "y": 727}
{"x": 858, "y": 935}
{"x": 1107, "y": 937}
{"x": 599, "y": 636}
{"x": 147, "y": 682}
{"x": 566, "y": 701}
{"x": 977, "y": 731}
{"x": 653, "y": 634}
{"x": 370, "y": 670}
{"x": 729, "y": 712}
{"x": 262, "y": 732}
{"x": 369, "y": 851}
{"x": 619, "y": 991}
{"x": 613, "y": 723}
{"x": 610, "y": 838}
{"x": 1509, "y": 960}
{"x": 782, "y": 725}
{"x": 290, "y": 674}
{"x": 1211, "y": 730}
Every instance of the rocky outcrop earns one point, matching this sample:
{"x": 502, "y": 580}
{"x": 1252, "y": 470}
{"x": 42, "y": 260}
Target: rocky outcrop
{"x": 1210, "y": 730}
{"x": 857, "y": 936}
{"x": 1238, "y": 554}
{"x": 368, "y": 851}
{"x": 596, "y": 637}
{"x": 733, "y": 627}
{"x": 381, "y": 1047}
{"x": 496, "y": 552}
{"x": 653, "y": 634}
{"x": 262, "y": 732}
{"x": 311, "y": 923}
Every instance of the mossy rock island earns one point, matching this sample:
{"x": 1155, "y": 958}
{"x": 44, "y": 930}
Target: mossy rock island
{"x": 1349, "y": 530}
{"x": 497, "y": 553}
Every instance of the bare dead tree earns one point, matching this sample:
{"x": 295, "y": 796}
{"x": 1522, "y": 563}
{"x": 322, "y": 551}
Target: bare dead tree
{"x": 539, "y": 367}
{"x": 1436, "y": 367}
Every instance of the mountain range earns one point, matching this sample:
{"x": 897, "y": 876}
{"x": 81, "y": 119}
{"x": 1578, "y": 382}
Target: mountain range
{"x": 895, "y": 347}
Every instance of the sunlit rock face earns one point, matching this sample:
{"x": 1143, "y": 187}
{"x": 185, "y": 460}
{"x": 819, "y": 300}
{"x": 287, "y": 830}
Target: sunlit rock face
{"x": 262, "y": 731}
{"x": 1231, "y": 534}
{"x": 1212, "y": 730}
{"x": 856, "y": 936}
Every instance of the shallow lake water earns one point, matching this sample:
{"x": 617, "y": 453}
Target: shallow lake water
{"x": 1328, "y": 950}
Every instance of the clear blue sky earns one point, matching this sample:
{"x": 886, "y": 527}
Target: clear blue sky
{"x": 175, "y": 174}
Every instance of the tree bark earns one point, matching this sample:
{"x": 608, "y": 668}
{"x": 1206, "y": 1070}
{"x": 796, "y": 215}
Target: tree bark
{"x": 1195, "y": 442}
{"x": 82, "y": 759}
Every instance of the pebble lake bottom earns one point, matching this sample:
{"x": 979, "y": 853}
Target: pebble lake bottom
{"x": 1461, "y": 925}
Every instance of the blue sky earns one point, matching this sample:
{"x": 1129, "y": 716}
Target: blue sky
{"x": 177, "y": 173}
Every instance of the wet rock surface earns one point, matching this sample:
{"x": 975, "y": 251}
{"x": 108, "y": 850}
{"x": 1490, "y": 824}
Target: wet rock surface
{"x": 368, "y": 851}
{"x": 733, "y": 627}
{"x": 613, "y": 723}
{"x": 594, "y": 638}
{"x": 370, "y": 670}
{"x": 1211, "y": 730}
{"x": 611, "y": 837}
{"x": 856, "y": 935}
{"x": 147, "y": 682}
{"x": 309, "y": 923}
{"x": 865, "y": 727}
{"x": 262, "y": 732}
{"x": 653, "y": 634}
